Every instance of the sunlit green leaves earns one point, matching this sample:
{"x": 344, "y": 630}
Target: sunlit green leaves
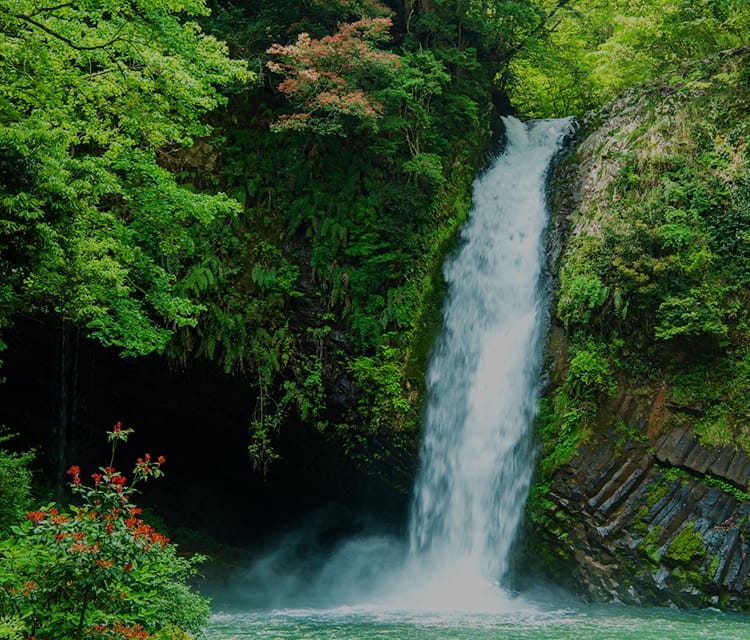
{"x": 90, "y": 225}
{"x": 596, "y": 50}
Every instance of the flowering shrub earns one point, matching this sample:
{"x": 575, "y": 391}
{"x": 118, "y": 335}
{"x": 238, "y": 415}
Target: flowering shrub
{"x": 98, "y": 570}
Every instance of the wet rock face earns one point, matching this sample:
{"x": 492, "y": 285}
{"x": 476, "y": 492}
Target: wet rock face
{"x": 679, "y": 448}
{"x": 641, "y": 532}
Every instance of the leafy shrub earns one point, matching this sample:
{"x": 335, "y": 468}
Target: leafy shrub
{"x": 590, "y": 372}
{"x": 15, "y": 486}
{"x": 97, "y": 570}
{"x": 583, "y": 292}
{"x": 690, "y": 316}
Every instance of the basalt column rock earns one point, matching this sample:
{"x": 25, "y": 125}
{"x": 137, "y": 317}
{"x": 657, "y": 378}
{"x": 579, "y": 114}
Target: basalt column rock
{"x": 642, "y": 533}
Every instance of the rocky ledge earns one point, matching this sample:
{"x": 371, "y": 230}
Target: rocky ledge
{"x": 661, "y": 522}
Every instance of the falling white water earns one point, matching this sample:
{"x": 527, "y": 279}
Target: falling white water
{"x": 483, "y": 379}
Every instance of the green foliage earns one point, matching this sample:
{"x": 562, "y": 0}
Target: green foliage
{"x": 97, "y": 570}
{"x": 655, "y": 264}
{"x": 15, "y": 486}
{"x": 563, "y": 425}
{"x": 426, "y": 166}
{"x": 582, "y": 292}
{"x": 382, "y": 377}
{"x": 567, "y": 416}
{"x": 597, "y": 50}
{"x": 590, "y": 373}
{"x": 11, "y": 628}
{"x": 690, "y": 316}
{"x": 730, "y": 232}
{"x": 91, "y": 226}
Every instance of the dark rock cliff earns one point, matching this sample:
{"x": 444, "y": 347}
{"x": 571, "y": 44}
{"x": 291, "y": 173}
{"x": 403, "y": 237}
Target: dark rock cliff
{"x": 644, "y": 522}
{"x": 642, "y": 490}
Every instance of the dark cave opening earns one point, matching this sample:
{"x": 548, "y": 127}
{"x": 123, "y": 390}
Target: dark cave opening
{"x": 62, "y": 392}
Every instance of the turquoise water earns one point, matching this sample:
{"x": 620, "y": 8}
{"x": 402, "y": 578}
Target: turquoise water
{"x": 581, "y": 623}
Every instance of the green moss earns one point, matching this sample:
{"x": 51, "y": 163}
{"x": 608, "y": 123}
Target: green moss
{"x": 687, "y": 545}
{"x": 650, "y": 545}
{"x": 655, "y": 492}
{"x": 726, "y": 487}
{"x": 714, "y": 566}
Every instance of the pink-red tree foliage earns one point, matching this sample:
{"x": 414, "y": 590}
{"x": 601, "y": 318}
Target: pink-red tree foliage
{"x": 330, "y": 81}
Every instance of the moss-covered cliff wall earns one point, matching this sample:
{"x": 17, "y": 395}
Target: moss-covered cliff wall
{"x": 642, "y": 490}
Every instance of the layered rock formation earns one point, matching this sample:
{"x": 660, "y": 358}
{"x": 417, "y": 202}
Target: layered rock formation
{"x": 657, "y": 522}
{"x": 642, "y": 494}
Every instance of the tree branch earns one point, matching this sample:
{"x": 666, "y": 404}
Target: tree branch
{"x": 51, "y": 9}
{"x": 61, "y": 37}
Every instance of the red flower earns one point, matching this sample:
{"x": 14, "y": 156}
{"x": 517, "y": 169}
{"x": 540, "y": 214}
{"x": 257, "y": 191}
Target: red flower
{"x": 148, "y": 457}
{"x": 160, "y": 539}
{"x": 117, "y": 428}
{"x": 57, "y": 518}
{"x": 162, "y": 459}
{"x": 97, "y": 478}
{"x": 118, "y": 482}
{"x": 74, "y": 471}
{"x": 35, "y": 516}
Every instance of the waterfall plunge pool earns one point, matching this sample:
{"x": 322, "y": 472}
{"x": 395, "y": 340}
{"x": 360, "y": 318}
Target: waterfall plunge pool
{"x": 370, "y": 587}
{"x": 579, "y": 623}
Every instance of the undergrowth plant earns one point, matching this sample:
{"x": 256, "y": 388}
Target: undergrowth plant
{"x": 96, "y": 569}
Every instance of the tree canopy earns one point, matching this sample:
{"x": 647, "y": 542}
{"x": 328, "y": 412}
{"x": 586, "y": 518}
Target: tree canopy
{"x": 91, "y": 225}
{"x": 598, "y": 49}
{"x": 347, "y": 167}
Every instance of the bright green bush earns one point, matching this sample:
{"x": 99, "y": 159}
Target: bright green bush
{"x": 97, "y": 570}
{"x": 15, "y": 486}
{"x": 590, "y": 372}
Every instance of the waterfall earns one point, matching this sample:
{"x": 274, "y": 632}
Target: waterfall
{"x": 477, "y": 455}
{"x": 483, "y": 379}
